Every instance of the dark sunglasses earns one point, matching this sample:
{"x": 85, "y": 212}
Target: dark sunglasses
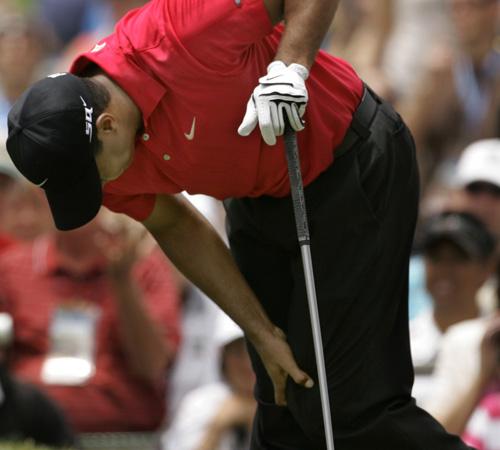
{"x": 483, "y": 187}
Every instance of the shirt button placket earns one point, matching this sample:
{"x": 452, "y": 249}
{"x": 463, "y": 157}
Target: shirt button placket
{"x": 146, "y": 137}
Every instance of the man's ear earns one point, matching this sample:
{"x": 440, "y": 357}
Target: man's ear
{"x": 105, "y": 124}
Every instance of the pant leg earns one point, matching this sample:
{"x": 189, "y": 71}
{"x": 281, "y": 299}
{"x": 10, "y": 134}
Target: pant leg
{"x": 273, "y": 284}
{"x": 362, "y": 214}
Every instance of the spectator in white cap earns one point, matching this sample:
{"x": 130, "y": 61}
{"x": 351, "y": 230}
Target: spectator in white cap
{"x": 218, "y": 416}
{"x": 478, "y": 175}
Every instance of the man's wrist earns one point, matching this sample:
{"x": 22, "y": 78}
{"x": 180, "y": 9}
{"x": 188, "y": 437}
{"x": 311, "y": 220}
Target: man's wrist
{"x": 260, "y": 335}
{"x": 289, "y": 59}
{"x": 279, "y": 65}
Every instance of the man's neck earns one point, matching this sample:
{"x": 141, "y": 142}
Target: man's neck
{"x": 121, "y": 99}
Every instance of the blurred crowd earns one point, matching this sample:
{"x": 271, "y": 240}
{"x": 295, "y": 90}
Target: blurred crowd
{"x": 100, "y": 334}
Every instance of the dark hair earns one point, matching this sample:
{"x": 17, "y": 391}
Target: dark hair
{"x": 100, "y": 101}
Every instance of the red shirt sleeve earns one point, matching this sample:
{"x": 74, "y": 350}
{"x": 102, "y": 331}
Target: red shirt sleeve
{"x": 216, "y": 33}
{"x": 139, "y": 207}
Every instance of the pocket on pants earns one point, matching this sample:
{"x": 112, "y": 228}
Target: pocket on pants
{"x": 374, "y": 167}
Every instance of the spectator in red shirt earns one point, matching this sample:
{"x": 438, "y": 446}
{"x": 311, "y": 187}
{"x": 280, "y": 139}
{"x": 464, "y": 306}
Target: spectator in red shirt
{"x": 96, "y": 323}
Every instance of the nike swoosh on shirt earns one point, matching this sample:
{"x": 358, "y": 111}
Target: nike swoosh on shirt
{"x": 190, "y": 135}
{"x": 98, "y": 47}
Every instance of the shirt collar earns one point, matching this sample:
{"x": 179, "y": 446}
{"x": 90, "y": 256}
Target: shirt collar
{"x": 122, "y": 68}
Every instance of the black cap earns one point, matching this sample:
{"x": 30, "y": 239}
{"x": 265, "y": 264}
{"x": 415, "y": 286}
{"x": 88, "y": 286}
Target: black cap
{"x": 462, "y": 229}
{"x": 51, "y": 136}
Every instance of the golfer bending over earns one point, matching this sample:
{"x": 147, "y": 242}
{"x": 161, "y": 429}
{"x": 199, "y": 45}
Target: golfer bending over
{"x": 157, "y": 107}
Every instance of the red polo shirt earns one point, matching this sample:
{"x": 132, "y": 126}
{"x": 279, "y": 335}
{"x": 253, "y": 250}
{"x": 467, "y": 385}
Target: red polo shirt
{"x": 191, "y": 67}
{"x": 35, "y": 283}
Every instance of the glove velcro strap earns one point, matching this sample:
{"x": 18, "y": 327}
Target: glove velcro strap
{"x": 300, "y": 70}
{"x": 280, "y": 67}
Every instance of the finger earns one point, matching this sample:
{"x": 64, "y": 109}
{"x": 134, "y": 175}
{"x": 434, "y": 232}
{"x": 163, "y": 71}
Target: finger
{"x": 279, "y": 383}
{"x": 265, "y": 124}
{"x": 299, "y": 376}
{"x": 302, "y": 110}
{"x": 250, "y": 120}
{"x": 298, "y": 114}
{"x": 290, "y": 117}
{"x": 284, "y": 113}
{"x": 282, "y": 122}
{"x": 294, "y": 118}
{"x": 275, "y": 117}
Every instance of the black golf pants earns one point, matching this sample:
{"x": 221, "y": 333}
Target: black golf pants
{"x": 362, "y": 213}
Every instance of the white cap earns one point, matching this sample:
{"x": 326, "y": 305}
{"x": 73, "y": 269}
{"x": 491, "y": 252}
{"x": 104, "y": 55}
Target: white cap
{"x": 480, "y": 161}
{"x": 226, "y": 330}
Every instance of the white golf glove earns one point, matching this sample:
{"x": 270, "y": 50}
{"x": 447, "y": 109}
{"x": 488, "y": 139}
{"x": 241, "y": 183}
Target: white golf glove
{"x": 280, "y": 96}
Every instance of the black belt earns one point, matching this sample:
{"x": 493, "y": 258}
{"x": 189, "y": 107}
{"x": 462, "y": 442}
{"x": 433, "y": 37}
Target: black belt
{"x": 359, "y": 129}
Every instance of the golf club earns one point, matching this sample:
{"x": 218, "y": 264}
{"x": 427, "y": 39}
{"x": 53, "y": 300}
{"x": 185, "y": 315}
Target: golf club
{"x": 299, "y": 208}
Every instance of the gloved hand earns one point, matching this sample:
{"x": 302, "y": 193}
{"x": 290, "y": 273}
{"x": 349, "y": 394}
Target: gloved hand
{"x": 281, "y": 95}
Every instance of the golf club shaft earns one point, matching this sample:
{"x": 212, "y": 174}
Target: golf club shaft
{"x": 299, "y": 208}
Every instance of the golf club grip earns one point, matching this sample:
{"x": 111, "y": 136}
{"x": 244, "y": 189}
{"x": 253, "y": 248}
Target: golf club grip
{"x": 296, "y": 186}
